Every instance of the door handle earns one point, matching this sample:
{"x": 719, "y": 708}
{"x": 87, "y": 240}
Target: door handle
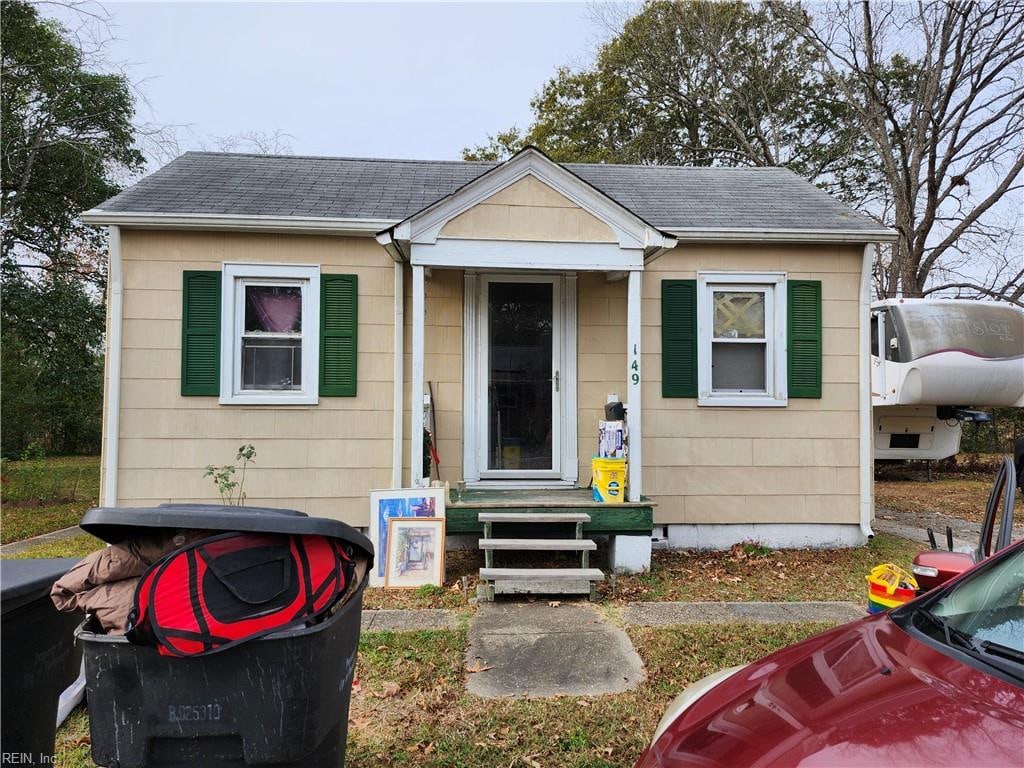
{"x": 556, "y": 381}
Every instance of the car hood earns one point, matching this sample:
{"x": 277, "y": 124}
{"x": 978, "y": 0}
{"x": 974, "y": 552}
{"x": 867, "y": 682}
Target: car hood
{"x": 867, "y": 693}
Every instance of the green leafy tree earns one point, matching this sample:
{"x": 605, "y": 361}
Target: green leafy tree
{"x": 66, "y": 132}
{"x": 700, "y": 83}
{"x": 52, "y": 361}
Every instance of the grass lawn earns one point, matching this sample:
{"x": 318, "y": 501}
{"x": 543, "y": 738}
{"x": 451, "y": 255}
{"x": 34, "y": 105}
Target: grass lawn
{"x": 410, "y": 708}
{"x": 76, "y": 546}
{"x": 44, "y": 495}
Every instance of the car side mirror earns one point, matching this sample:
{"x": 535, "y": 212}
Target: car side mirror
{"x": 935, "y": 567}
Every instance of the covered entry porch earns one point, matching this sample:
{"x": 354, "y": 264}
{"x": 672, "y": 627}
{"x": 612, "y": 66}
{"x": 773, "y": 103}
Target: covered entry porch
{"x": 530, "y": 243}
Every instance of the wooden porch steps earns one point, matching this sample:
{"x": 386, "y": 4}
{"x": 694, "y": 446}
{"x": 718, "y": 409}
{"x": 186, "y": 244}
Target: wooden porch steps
{"x": 540, "y": 545}
{"x": 582, "y": 580}
{"x": 533, "y": 517}
{"x": 542, "y": 574}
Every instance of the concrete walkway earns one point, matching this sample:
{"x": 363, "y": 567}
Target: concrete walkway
{"x": 663, "y": 614}
{"x": 533, "y": 618}
{"x": 17, "y": 547}
{"x": 537, "y": 650}
{"x": 408, "y": 620}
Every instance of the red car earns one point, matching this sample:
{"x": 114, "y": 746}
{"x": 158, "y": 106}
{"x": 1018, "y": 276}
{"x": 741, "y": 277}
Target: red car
{"x": 936, "y": 682}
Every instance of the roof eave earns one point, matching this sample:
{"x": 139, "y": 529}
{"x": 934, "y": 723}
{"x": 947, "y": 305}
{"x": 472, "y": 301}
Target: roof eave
{"x": 700, "y": 234}
{"x": 238, "y": 222}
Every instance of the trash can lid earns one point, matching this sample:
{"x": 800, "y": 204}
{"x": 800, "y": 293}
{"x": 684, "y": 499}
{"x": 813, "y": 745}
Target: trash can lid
{"x": 114, "y": 524}
{"x": 22, "y": 581}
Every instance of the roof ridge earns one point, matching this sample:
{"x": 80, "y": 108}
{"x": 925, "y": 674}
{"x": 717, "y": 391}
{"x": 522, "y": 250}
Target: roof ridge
{"x": 684, "y": 167}
{"x": 338, "y": 157}
{"x": 424, "y": 161}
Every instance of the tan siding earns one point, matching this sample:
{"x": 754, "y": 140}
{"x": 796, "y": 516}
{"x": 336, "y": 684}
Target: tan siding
{"x": 321, "y": 459}
{"x": 528, "y": 209}
{"x": 601, "y": 351}
{"x": 757, "y": 465}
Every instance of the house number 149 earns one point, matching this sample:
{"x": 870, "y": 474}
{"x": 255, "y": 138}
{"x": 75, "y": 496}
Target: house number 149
{"x": 634, "y": 367}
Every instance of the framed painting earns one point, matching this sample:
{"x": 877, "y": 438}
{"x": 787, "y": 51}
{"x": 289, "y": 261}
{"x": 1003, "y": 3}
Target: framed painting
{"x": 398, "y": 502}
{"x": 415, "y": 554}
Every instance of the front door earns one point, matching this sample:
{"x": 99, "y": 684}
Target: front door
{"x": 519, "y": 403}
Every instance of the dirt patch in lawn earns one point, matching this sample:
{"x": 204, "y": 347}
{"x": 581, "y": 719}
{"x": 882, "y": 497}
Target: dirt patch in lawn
{"x": 962, "y": 498}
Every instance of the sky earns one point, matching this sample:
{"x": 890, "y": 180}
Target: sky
{"x": 408, "y": 80}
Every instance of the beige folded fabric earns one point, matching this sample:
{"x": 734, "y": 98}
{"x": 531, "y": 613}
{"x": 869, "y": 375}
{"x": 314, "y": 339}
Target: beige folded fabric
{"x": 103, "y": 584}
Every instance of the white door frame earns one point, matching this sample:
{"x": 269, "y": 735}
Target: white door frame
{"x": 476, "y": 375}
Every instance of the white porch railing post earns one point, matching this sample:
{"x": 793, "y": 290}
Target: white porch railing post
{"x": 416, "y": 398}
{"x": 634, "y": 381}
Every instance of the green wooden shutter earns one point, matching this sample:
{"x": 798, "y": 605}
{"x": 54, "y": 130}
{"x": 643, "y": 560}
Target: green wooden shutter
{"x": 200, "y": 333}
{"x": 804, "y": 334}
{"x": 678, "y": 338}
{"x": 339, "y": 318}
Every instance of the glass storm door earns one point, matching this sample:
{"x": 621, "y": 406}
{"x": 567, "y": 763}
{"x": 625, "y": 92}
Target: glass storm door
{"x": 519, "y": 417}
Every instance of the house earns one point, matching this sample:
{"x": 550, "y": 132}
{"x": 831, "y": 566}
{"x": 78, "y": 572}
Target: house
{"x": 322, "y": 307}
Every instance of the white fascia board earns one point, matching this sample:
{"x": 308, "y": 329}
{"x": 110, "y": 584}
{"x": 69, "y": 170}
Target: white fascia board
{"x": 698, "y": 234}
{"x": 238, "y": 222}
{"x": 520, "y": 254}
{"x": 630, "y": 230}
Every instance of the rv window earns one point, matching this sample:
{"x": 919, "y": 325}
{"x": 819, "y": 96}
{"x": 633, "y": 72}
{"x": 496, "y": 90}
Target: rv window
{"x": 983, "y": 329}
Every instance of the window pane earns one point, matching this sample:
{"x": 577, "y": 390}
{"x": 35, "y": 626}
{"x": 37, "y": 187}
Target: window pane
{"x": 739, "y": 315}
{"x": 273, "y": 309}
{"x": 738, "y": 366}
{"x": 271, "y": 363}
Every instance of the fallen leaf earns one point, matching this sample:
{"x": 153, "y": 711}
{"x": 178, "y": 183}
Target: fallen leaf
{"x": 554, "y": 603}
{"x": 389, "y": 689}
{"x": 478, "y": 666}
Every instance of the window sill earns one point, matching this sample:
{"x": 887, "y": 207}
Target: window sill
{"x": 742, "y": 401}
{"x": 298, "y": 398}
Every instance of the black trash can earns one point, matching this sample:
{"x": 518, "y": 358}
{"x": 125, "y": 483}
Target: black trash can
{"x": 282, "y": 700}
{"x": 38, "y": 657}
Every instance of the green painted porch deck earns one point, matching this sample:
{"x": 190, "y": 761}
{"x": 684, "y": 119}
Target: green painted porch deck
{"x": 627, "y": 518}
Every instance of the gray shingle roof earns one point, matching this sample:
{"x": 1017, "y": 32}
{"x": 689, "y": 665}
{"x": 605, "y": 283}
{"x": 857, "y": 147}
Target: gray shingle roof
{"x": 668, "y": 197}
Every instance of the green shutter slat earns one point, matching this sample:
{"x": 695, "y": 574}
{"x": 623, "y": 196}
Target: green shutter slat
{"x": 200, "y": 333}
{"x": 339, "y": 323}
{"x": 679, "y": 338}
{"x": 804, "y": 336}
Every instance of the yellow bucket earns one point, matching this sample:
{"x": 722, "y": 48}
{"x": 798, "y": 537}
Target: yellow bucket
{"x": 609, "y": 480}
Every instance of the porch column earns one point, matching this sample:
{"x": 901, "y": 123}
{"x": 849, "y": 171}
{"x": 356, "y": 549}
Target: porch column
{"x": 634, "y": 378}
{"x": 416, "y": 398}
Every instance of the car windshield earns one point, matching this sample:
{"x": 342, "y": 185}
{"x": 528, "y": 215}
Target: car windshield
{"x": 985, "y": 612}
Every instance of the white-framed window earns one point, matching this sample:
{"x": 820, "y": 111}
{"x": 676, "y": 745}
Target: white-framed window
{"x": 270, "y": 340}
{"x": 741, "y": 339}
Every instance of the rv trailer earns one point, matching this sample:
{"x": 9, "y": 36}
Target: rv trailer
{"x": 933, "y": 361}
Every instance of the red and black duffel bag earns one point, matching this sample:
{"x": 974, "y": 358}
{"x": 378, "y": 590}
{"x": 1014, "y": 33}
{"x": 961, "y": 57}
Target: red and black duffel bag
{"x": 217, "y": 592}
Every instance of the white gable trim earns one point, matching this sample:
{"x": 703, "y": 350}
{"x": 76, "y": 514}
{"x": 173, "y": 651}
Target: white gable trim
{"x": 521, "y": 254}
{"x": 630, "y": 231}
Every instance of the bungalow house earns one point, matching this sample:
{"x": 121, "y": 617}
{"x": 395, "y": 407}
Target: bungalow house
{"x": 322, "y": 308}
